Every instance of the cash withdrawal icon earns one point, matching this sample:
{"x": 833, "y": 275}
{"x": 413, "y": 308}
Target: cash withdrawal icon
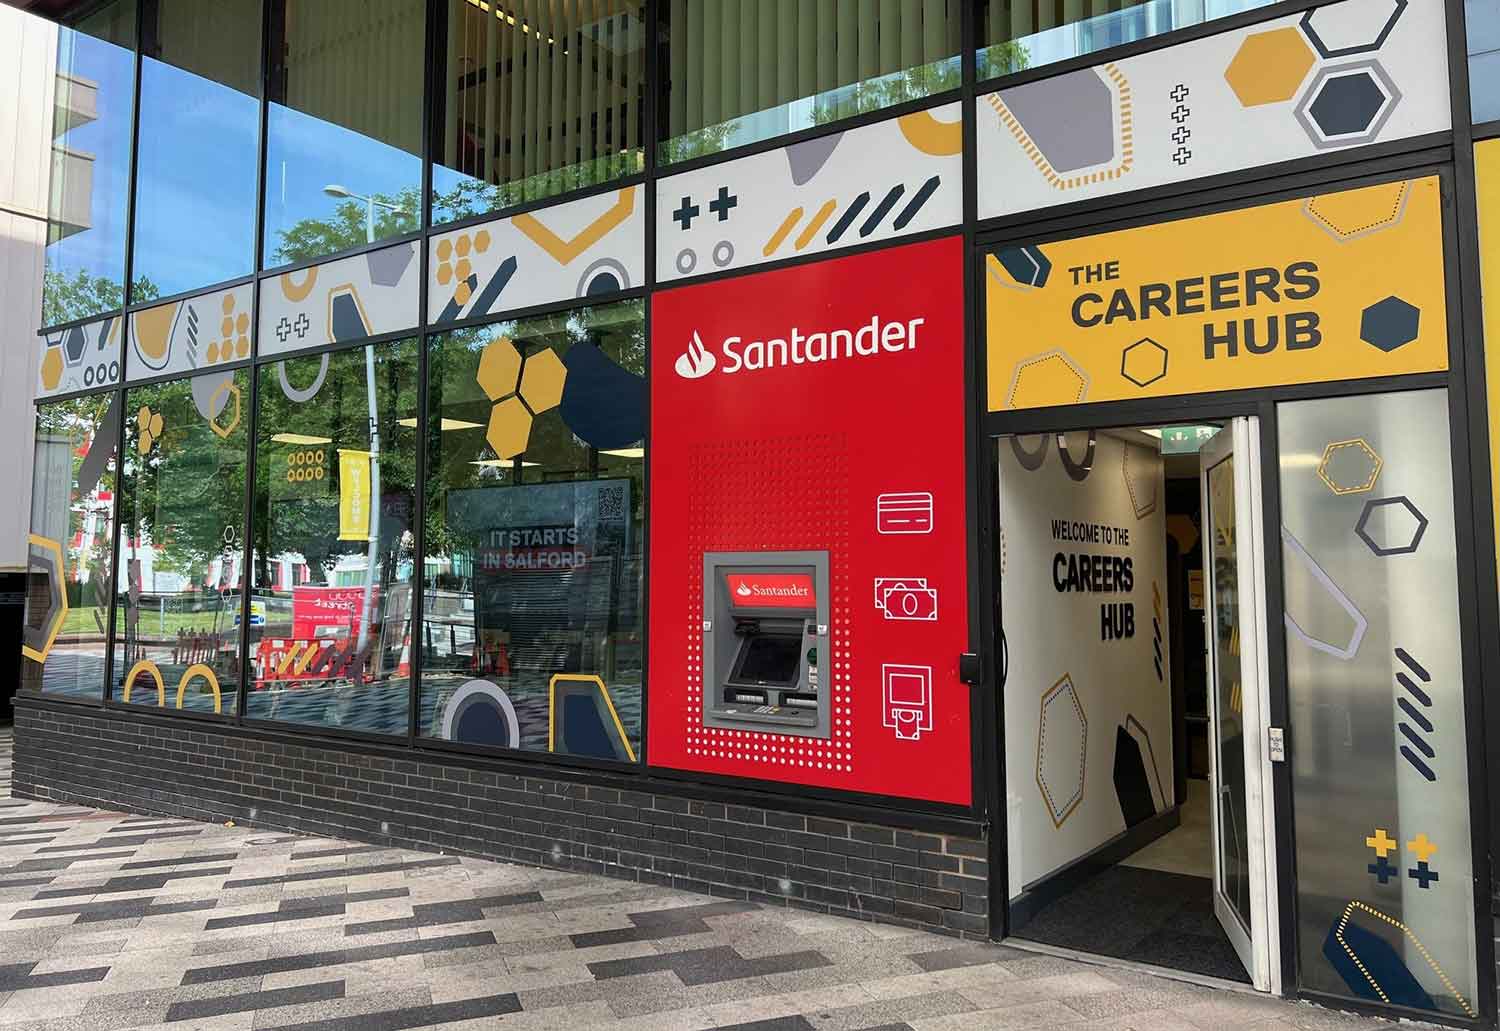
{"x": 907, "y": 696}
{"x": 906, "y": 597}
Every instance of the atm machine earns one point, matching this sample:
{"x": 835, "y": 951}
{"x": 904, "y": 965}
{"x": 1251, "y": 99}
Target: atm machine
{"x": 765, "y": 641}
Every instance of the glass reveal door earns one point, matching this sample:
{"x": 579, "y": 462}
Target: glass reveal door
{"x": 1234, "y": 570}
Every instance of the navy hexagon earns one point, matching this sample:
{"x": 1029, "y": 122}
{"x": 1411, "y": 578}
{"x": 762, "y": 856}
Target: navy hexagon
{"x": 1348, "y": 104}
{"x": 1347, "y": 31}
{"x": 1389, "y": 324}
{"x": 1391, "y": 526}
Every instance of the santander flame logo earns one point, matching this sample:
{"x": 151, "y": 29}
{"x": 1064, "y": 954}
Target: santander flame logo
{"x": 697, "y": 361}
{"x": 743, "y": 590}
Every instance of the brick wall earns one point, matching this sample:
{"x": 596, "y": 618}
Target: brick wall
{"x": 391, "y": 797}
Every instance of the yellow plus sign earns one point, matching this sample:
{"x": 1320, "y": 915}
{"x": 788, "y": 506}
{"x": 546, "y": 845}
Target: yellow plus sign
{"x": 1382, "y": 843}
{"x": 1422, "y": 848}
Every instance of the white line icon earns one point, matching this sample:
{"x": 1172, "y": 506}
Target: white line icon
{"x": 906, "y": 597}
{"x": 907, "y": 694}
{"x": 903, "y": 512}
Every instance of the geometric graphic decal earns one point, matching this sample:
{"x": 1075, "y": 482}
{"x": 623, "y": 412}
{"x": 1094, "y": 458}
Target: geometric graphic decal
{"x": 1049, "y": 378}
{"x": 1141, "y": 795}
{"x": 1061, "y": 750}
{"x": 1353, "y": 28}
{"x": 1144, "y": 362}
{"x": 1391, "y": 526}
{"x": 1372, "y": 968}
{"x": 1348, "y": 104}
{"x": 340, "y": 301}
{"x": 1350, "y": 214}
{"x": 1140, "y": 483}
{"x": 1269, "y": 66}
{"x": 1069, "y": 122}
{"x": 1389, "y": 324}
{"x": 1295, "y": 550}
{"x": 1349, "y": 467}
{"x": 480, "y": 713}
{"x": 80, "y": 357}
{"x": 44, "y": 558}
{"x": 1027, "y": 267}
{"x": 542, "y": 380}
{"x": 101, "y": 449}
{"x": 602, "y": 403}
{"x": 1423, "y": 723}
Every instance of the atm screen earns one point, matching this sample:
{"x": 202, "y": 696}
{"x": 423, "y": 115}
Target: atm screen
{"x": 769, "y": 659}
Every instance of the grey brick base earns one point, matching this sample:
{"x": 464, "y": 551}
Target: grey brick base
{"x": 391, "y": 796}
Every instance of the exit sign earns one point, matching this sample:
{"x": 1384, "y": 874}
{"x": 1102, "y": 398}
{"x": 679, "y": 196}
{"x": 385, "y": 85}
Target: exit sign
{"x": 1184, "y": 440}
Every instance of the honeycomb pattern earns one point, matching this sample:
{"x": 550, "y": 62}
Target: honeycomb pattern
{"x": 150, "y": 425}
{"x": 1349, "y": 467}
{"x": 234, "y": 334}
{"x": 542, "y": 381}
{"x": 499, "y": 368}
{"x": 521, "y": 390}
{"x": 454, "y": 265}
{"x": 1269, "y": 67}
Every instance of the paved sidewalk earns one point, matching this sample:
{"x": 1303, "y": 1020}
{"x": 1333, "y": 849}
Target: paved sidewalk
{"x": 109, "y": 920}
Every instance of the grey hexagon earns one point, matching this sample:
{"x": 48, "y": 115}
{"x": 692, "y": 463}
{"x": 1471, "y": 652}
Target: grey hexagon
{"x": 1348, "y": 104}
{"x": 1391, "y": 526}
{"x": 388, "y": 266}
{"x": 1341, "y": 30}
{"x": 1069, "y": 117}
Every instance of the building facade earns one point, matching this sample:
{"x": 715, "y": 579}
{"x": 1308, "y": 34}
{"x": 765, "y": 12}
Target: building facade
{"x": 1010, "y": 467}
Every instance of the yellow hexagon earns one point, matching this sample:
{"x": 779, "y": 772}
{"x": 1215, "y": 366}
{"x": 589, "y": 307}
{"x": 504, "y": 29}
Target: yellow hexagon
{"x": 143, "y": 419}
{"x": 462, "y": 247}
{"x": 444, "y": 274}
{"x": 444, "y": 249}
{"x": 226, "y": 328}
{"x": 1350, "y": 467}
{"x": 52, "y": 368}
{"x": 499, "y": 367}
{"x": 542, "y": 381}
{"x": 227, "y": 387}
{"x": 213, "y": 351}
{"x": 242, "y": 346}
{"x": 1351, "y": 213}
{"x": 1047, "y": 379}
{"x": 509, "y": 429}
{"x": 1269, "y": 66}
{"x": 156, "y": 424}
{"x": 462, "y": 293}
{"x": 228, "y": 303}
{"x": 242, "y": 324}
{"x": 482, "y": 240}
{"x": 463, "y": 270}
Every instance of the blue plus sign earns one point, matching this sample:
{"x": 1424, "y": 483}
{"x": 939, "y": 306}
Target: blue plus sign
{"x": 721, "y": 204}
{"x": 1383, "y": 869}
{"x": 1423, "y": 875}
{"x": 686, "y": 213}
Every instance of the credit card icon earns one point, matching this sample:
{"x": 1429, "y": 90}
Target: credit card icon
{"x": 905, "y": 512}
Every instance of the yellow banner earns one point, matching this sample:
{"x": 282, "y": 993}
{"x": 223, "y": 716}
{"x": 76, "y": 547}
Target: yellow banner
{"x": 1344, "y": 285}
{"x": 1487, "y": 182}
{"x": 354, "y": 495}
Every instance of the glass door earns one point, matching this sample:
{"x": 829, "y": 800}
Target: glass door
{"x": 1237, "y": 691}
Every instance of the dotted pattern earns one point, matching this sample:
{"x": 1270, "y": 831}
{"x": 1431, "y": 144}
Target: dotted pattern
{"x": 801, "y": 489}
{"x": 1312, "y": 212}
{"x": 1060, "y": 814}
{"x": 1442, "y": 975}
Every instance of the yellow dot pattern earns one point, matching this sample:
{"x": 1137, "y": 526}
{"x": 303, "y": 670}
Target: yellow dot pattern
{"x": 457, "y": 272}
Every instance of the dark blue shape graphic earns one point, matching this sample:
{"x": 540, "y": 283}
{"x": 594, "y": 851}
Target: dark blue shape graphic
{"x": 1132, "y": 786}
{"x": 1026, "y": 265}
{"x": 1156, "y": 644}
{"x": 452, "y": 308}
{"x": 582, "y": 723}
{"x": 915, "y": 204}
{"x": 1416, "y": 692}
{"x": 686, "y": 213}
{"x": 1391, "y": 546}
{"x": 1418, "y": 764}
{"x": 491, "y": 292}
{"x": 1389, "y": 324}
{"x": 1380, "y": 961}
{"x": 74, "y": 343}
{"x": 847, "y": 218}
{"x": 1413, "y": 665}
{"x": 1411, "y": 735}
{"x": 346, "y": 322}
{"x": 603, "y": 283}
{"x": 882, "y": 209}
{"x": 1424, "y": 875}
{"x": 482, "y": 723}
{"x": 1383, "y": 869}
{"x": 1347, "y": 104}
{"x": 1417, "y": 717}
{"x": 722, "y": 204}
{"x": 1310, "y": 27}
{"x": 603, "y": 404}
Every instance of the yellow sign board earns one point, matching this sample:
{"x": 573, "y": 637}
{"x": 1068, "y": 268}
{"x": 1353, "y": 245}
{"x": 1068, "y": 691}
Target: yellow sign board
{"x": 354, "y": 495}
{"x": 1487, "y": 184}
{"x": 1345, "y": 285}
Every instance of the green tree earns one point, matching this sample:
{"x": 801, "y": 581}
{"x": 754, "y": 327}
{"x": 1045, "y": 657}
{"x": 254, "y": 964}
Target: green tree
{"x": 69, "y": 298}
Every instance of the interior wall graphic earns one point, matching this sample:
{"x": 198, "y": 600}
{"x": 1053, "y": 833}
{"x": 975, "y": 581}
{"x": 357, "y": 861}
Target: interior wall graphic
{"x": 893, "y": 178}
{"x": 587, "y": 248}
{"x": 339, "y": 301}
{"x": 1083, "y": 594}
{"x": 82, "y": 357}
{"x": 1336, "y": 286}
{"x": 801, "y": 413}
{"x": 194, "y": 333}
{"x": 1343, "y": 75}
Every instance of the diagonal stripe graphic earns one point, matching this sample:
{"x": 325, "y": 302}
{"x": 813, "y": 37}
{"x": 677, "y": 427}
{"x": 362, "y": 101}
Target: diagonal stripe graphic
{"x": 1416, "y": 716}
{"x": 915, "y": 204}
{"x": 847, "y": 218}
{"x": 1418, "y": 764}
{"x": 1411, "y": 735}
{"x": 882, "y": 209}
{"x": 1412, "y": 664}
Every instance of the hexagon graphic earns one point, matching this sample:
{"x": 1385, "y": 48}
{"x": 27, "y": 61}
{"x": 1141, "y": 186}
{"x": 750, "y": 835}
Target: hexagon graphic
{"x": 1049, "y": 378}
{"x": 1061, "y": 750}
{"x": 509, "y": 429}
{"x": 1307, "y": 615}
{"x": 499, "y": 368}
{"x": 1144, "y": 362}
{"x": 1350, "y": 214}
{"x": 52, "y": 368}
{"x": 40, "y": 629}
{"x": 542, "y": 381}
{"x": 1349, "y": 467}
{"x": 1269, "y": 67}
{"x": 1348, "y": 104}
{"x": 388, "y": 266}
{"x": 230, "y": 391}
{"x": 1342, "y": 30}
{"x": 1140, "y": 481}
{"x": 1391, "y": 526}
{"x": 75, "y": 344}
{"x": 1069, "y": 118}
{"x": 1389, "y": 324}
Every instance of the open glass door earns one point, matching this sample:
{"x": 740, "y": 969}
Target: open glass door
{"x": 1237, "y": 693}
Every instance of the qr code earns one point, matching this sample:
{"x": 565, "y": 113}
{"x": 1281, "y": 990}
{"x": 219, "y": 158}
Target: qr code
{"x": 612, "y": 503}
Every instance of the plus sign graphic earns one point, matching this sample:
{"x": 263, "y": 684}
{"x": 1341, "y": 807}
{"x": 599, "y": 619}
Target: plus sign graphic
{"x": 1422, "y": 848}
{"x": 1182, "y": 155}
{"x": 283, "y": 329}
{"x": 1180, "y": 113}
{"x": 1383, "y": 869}
{"x": 1179, "y": 92}
{"x": 1181, "y": 134}
{"x": 686, "y": 213}
{"x": 721, "y": 204}
{"x": 1381, "y": 842}
{"x": 302, "y": 325}
{"x": 1423, "y": 875}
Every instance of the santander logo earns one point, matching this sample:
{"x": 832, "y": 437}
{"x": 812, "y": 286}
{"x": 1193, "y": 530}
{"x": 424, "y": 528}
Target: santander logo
{"x": 743, "y": 590}
{"x": 696, "y": 361}
{"x": 771, "y": 590}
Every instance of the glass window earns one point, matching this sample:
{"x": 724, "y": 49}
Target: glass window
{"x": 1375, "y": 681}
{"x": 331, "y": 540}
{"x": 182, "y": 512}
{"x": 91, "y": 113}
{"x": 1483, "y": 21}
{"x": 199, "y": 153}
{"x": 538, "y": 97}
{"x": 344, "y": 128}
{"x": 72, "y": 534}
{"x": 744, "y": 70}
{"x": 535, "y": 530}
{"x": 1019, "y": 34}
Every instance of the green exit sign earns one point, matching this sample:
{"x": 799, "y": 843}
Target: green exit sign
{"x": 1184, "y": 440}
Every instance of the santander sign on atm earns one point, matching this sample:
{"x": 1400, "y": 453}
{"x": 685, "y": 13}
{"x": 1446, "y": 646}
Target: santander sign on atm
{"x": 771, "y": 590}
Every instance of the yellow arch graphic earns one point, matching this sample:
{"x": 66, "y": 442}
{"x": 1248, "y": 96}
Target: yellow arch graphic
{"x": 198, "y": 669}
{"x": 295, "y": 291}
{"x": 930, "y": 136}
{"x": 582, "y": 678}
{"x": 147, "y": 666}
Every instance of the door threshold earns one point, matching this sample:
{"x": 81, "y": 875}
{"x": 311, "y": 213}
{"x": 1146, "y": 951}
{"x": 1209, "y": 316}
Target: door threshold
{"x": 1114, "y": 962}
